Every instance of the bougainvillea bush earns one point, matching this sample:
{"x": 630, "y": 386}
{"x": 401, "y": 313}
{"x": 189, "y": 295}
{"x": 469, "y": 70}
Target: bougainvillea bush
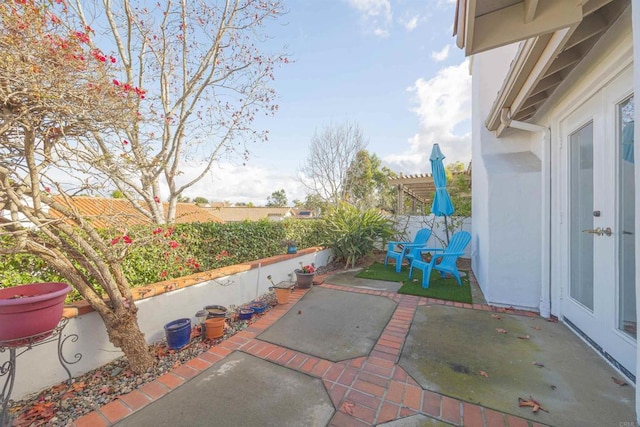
{"x": 176, "y": 251}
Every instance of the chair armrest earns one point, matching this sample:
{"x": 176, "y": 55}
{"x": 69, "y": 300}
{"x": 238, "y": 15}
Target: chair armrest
{"x": 431, "y": 250}
{"x": 447, "y": 255}
{"x": 393, "y": 244}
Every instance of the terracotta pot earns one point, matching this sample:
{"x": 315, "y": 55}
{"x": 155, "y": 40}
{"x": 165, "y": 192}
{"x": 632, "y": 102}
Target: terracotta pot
{"x": 30, "y": 310}
{"x": 304, "y": 280}
{"x": 216, "y": 311}
{"x": 282, "y": 295}
{"x": 214, "y": 327}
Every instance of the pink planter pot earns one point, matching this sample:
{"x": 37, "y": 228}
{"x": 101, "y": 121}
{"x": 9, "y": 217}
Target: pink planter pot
{"x": 29, "y": 310}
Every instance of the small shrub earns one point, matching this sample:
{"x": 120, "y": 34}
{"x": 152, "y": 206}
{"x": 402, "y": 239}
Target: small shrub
{"x": 353, "y": 234}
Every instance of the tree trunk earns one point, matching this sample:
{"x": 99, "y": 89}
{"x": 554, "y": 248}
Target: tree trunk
{"x": 125, "y": 333}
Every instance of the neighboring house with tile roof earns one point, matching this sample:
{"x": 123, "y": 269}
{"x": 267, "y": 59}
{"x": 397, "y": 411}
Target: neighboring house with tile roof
{"x": 106, "y": 212}
{"x": 243, "y": 213}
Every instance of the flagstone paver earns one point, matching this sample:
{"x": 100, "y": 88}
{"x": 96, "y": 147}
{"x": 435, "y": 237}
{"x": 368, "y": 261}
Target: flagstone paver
{"x": 365, "y": 391}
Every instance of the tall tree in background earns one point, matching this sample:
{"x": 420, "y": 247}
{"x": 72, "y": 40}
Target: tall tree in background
{"x": 201, "y": 200}
{"x": 183, "y": 84}
{"x": 333, "y": 150}
{"x": 367, "y": 183}
{"x": 315, "y": 203}
{"x": 459, "y": 187}
{"x": 203, "y": 78}
{"x": 277, "y": 199}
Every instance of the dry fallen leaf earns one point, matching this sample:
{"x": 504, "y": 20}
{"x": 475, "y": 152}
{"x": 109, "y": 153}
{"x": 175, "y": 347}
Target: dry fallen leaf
{"x": 553, "y": 387}
{"x": 483, "y": 374}
{"x": 539, "y": 365}
{"x": 79, "y": 386}
{"x": 501, "y": 331}
{"x": 105, "y": 390}
{"x": 537, "y": 328}
{"x": 299, "y": 311}
{"x": 620, "y": 382}
{"x": 533, "y": 404}
{"x": 523, "y": 337}
{"x": 496, "y": 316}
{"x": 348, "y": 407}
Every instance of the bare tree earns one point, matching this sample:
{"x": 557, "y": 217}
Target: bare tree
{"x": 183, "y": 85}
{"x": 333, "y": 151}
{"x": 204, "y": 78}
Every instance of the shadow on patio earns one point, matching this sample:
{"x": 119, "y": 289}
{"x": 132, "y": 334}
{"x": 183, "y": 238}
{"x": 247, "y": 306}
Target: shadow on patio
{"x": 353, "y": 352}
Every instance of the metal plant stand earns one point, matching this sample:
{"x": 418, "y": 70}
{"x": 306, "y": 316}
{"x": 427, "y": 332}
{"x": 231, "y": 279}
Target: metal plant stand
{"x": 18, "y": 347}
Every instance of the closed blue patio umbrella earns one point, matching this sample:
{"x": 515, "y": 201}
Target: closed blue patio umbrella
{"x": 442, "y": 205}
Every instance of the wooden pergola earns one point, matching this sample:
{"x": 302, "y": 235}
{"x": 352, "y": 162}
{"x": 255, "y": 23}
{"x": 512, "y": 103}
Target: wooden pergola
{"x": 420, "y": 188}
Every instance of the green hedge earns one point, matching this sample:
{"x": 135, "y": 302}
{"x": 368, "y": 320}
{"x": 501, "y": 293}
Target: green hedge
{"x": 185, "y": 249}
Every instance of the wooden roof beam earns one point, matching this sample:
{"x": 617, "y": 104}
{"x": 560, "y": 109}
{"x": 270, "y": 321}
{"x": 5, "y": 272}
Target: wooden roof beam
{"x": 589, "y": 27}
{"x": 530, "y": 7}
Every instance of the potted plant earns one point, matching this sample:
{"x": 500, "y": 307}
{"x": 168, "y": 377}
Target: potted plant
{"x": 305, "y": 275}
{"x": 282, "y": 290}
{"x": 291, "y": 245}
{"x": 31, "y": 310}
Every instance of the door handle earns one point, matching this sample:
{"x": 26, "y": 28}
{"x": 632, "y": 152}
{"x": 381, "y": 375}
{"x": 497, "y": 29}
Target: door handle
{"x": 627, "y": 232}
{"x": 607, "y": 231}
{"x": 597, "y": 231}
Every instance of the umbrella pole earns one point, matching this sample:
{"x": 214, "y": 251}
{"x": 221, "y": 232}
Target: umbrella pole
{"x": 446, "y": 229}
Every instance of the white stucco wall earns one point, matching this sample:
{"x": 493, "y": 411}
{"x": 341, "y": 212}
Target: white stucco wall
{"x": 636, "y": 79}
{"x": 506, "y": 196}
{"x": 39, "y": 367}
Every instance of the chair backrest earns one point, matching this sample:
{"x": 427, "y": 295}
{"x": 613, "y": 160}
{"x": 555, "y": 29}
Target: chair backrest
{"x": 458, "y": 242}
{"x": 422, "y": 236}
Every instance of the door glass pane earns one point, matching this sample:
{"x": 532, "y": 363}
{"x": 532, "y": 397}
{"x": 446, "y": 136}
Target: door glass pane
{"x": 626, "y": 209}
{"x": 581, "y": 215}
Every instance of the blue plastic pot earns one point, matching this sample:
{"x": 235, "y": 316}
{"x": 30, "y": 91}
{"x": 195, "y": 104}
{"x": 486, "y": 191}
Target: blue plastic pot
{"x": 245, "y": 313}
{"x": 178, "y": 333}
{"x": 292, "y": 249}
{"x": 258, "y": 306}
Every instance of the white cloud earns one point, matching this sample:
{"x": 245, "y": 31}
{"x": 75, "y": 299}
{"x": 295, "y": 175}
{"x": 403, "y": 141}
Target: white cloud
{"x": 375, "y": 15}
{"x": 441, "y": 55}
{"x": 237, "y": 183}
{"x": 410, "y": 24}
{"x": 443, "y": 106}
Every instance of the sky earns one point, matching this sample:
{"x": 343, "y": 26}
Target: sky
{"x": 389, "y": 66}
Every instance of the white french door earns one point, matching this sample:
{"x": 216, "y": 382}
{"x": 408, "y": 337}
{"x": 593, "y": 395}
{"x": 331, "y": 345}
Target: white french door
{"x": 598, "y": 297}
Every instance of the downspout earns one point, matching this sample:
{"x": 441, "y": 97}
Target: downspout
{"x": 545, "y": 207}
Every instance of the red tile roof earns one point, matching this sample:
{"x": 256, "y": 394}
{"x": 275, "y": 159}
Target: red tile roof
{"x": 108, "y": 212}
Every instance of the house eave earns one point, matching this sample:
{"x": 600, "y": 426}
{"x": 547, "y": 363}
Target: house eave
{"x": 487, "y": 24}
{"x": 543, "y": 62}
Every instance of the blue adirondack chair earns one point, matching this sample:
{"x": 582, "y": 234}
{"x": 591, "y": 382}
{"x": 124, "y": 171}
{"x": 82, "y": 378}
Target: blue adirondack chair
{"x": 408, "y": 250}
{"x": 448, "y": 257}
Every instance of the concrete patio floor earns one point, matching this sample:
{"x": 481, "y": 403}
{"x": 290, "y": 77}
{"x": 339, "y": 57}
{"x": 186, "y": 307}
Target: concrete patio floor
{"x": 351, "y": 353}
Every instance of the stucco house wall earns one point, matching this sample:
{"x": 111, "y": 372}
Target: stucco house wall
{"x": 636, "y": 79}
{"x": 534, "y": 192}
{"x": 506, "y": 196}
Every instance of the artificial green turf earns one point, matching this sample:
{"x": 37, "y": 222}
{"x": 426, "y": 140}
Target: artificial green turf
{"x": 439, "y": 288}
